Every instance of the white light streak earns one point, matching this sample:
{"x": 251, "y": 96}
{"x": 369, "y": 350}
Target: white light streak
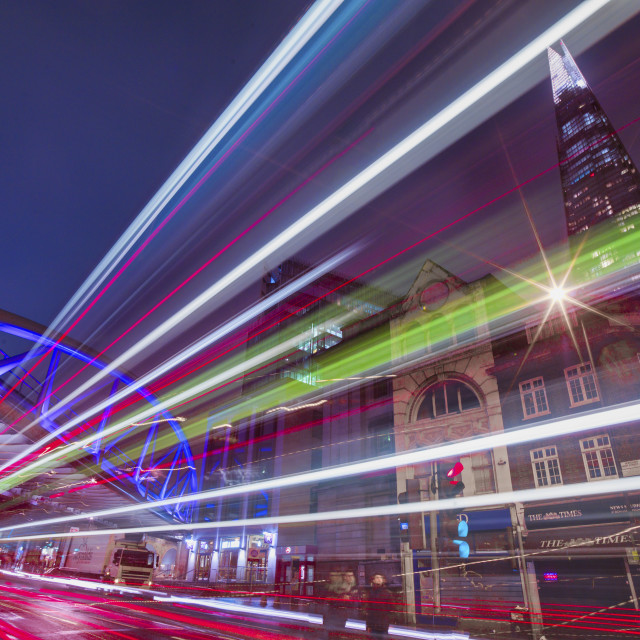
{"x": 222, "y": 426}
{"x": 292, "y": 44}
{"x": 404, "y": 632}
{"x": 142, "y": 424}
{"x": 584, "y": 422}
{"x": 178, "y": 359}
{"x": 184, "y": 396}
{"x": 356, "y": 378}
{"x": 330, "y": 204}
{"x": 84, "y": 584}
{"x": 425, "y": 635}
{"x": 243, "y": 608}
{"x": 541, "y": 494}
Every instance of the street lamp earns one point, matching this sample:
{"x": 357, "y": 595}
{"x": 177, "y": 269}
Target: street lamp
{"x": 558, "y": 294}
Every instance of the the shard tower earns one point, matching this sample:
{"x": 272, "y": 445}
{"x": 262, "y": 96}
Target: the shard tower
{"x": 599, "y": 180}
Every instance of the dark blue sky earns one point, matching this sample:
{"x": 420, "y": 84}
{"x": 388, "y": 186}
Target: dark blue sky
{"x": 101, "y": 101}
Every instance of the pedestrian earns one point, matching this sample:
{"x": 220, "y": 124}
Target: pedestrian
{"x": 379, "y": 607}
{"x": 341, "y": 602}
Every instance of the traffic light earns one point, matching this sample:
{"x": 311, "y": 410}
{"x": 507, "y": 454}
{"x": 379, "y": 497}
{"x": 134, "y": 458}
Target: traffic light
{"x": 450, "y": 485}
{"x": 410, "y": 525}
{"x": 455, "y": 530}
{"x": 404, "y": 529}
{"x": 403, "y": 521}
{"x": 463, "y": 532}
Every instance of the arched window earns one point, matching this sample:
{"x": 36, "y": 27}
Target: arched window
{"x": 447, "y": 397}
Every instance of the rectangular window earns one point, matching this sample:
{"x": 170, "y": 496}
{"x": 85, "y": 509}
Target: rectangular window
{"x": 482, "y": 468}
{"x": 581, "y": 383}
{"x": 534, "y": 398}
{"x": 597, "y": 455}
{"x": 380, "y": 389}
{"x": 546, "y": 466}
{"x": 553, "y": 326}
{"x": 381, "y": 435}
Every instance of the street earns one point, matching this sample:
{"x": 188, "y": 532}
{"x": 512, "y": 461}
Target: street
{"x": 31, "y": 609}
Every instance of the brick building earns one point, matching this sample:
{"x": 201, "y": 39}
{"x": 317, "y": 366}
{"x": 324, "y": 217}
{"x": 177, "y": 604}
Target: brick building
{"x": 554, "y": 377}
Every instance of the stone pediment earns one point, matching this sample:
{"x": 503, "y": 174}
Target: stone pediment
{"x": 432, "y": 286}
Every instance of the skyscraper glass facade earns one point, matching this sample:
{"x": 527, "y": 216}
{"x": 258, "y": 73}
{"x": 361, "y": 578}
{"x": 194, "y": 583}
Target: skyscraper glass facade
{"x": 599, "y": 180}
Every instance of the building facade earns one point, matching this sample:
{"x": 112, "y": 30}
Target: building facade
{"x": 582, "y": 550}
{"x": 444, "y": 392}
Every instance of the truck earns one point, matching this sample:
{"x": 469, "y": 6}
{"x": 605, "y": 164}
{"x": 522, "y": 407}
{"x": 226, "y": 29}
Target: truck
{"x": 110, "y": 559}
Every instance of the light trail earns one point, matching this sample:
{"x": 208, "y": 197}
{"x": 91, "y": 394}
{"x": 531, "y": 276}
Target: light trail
{"x": 299, "y": 406}
{"x": 583, "y": 422}
{"x": 374, "y": 354}
{"x": 142, "y": 424}
{"x": 73, "y": 582}
{"x": 262, "y": 359}
{"x": 300, "y": 35}
{"x": 491, "y": 300}
{"x": 242, "y": 608}
{"x": 213, "y": 337}
{"x": 166, "y": 298}
{"x": 232, "y": 446}
{"x": 540, "y": 494}
{"x": 362, "y": 352}
{"x": 356, "y": 184}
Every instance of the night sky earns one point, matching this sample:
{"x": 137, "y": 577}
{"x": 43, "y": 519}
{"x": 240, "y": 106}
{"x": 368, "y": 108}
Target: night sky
{"x": 102, "y": 100}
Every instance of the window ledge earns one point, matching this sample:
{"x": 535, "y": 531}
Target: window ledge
{"x": 537, "y": 415}
{"x": 547, "y": 486}
{"x": 581, "y": 404}
{"x": 603, "y": 478}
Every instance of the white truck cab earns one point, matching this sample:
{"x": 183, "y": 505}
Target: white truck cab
{"x": 130, "y": 563}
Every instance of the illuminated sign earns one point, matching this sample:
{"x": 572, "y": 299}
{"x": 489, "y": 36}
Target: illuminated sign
{"x": 230, "y": 543}
{"x": 550, "y": 576}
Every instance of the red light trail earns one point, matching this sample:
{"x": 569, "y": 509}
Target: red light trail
{"x": 186, "y": 198}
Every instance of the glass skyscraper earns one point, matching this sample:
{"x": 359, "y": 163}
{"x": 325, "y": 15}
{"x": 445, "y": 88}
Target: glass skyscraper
{"x": 599, "y": 180}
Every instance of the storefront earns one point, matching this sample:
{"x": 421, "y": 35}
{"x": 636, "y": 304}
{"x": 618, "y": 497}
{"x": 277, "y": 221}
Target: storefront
{"x": 491, "y": 566}
{"x": 228, "y": 558}
{"x": 36, "y": 556}
{"x": 203, "y": 560}
{"x": 249, "y": 558}
{"x": 585, "y": 552}
{"x": 257, "y": 559}
{"x": 7, "y": 555}
{"x": 295, "y": 570}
